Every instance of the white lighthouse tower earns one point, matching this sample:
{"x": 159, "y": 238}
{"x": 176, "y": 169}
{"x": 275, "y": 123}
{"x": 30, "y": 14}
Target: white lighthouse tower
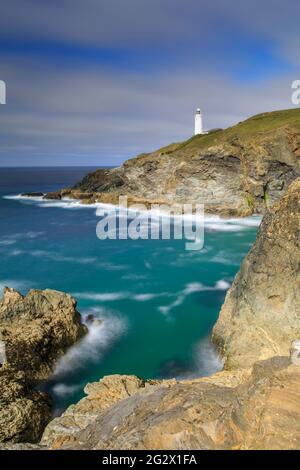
{"x": 198, "y": 122}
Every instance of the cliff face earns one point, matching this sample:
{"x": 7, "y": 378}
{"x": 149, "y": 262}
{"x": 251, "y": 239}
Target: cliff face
{"x": 252, "y": 404}
{"x": 238, "y": 171}
{"x": 35, "y": 331}
{"x": 261, "y": 313}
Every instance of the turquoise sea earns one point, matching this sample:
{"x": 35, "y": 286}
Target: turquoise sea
{"x": 157, "y": 301}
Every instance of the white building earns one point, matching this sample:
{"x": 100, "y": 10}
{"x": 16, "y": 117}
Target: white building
{"x": 198, "y": 123}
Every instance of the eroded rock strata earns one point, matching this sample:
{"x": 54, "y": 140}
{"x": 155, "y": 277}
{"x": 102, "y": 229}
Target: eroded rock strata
{"x": 35, "y": 330}
{"x": 234, "y": 172}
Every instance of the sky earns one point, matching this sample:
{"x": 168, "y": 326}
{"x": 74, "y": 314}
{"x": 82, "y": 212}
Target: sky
{"x": 94, "y": 82}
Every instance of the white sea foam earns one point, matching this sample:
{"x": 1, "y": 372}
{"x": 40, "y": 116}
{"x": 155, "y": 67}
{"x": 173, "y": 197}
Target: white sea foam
{"x": 212, "y": 222}
{"x": 55, "y": 256}
{"x": 144, "y": 297}
{"x": 220, "y": 224}
{"x": 19, "y": 197}
{"x": 68, "y": 259}
{"x": 62, "y": 258}
{"x": 222, "y": 285}
{"x": 149, "y": 296}
{"x": 94, "y": 345}
{"x": 7, "y": 242}
{"x": 207, "y": 359}
{"x": 64, "y": 390}
{"x": 102, "y": 297}
{"x": 190, "y": 289}
{"x": 114, "y": 296}
{"x": 15, "y": 237}
{"x": 15, "y": 252}
{"x": 227, "y": 258}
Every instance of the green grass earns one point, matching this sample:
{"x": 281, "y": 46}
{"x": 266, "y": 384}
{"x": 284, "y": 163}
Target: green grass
{"x": 256, "y": 125}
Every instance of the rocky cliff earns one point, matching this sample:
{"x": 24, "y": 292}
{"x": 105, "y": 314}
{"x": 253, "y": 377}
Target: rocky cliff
{"x": 261, "y": 313}
{"x": 252, "y": 404}
{"x": 237, "y": 171}
{"x": 35, "y": 330}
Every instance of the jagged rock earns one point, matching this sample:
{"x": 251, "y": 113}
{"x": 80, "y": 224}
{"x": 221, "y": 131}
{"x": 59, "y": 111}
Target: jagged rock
{"x": 35, "y": 330}
{"x": 233, "y": 172}
{"x": 261, "y": 313}
{"x": 261, "y": 412}
{"x": 100, "y": 396}
{"x": 24, "y": 412}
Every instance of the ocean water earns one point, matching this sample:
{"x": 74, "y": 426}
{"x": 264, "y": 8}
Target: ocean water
{"x": 157, "y": 302}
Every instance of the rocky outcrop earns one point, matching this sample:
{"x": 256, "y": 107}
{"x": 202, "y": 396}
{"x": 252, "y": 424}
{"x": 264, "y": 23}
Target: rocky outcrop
{"x": 35, "y": 331}
{"x": 24, "y": 411}
{"x": 100, "y": 396}
{"x": 236, "y": 171}
{"x": 262, "y": 412}
{"x": 261, "y": 313}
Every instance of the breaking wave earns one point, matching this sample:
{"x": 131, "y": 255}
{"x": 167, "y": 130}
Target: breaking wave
{"x": 207, "y": 360}
{"x": 94, "y": 345}
{"x": 214, "y": 223}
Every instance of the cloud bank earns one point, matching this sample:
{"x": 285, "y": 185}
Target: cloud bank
{"x": 95, "y": 82}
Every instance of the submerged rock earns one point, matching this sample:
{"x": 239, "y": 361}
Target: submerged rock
{"x": 35, "y": 330}
{"x": 32, "y": 194}
{"x": 261, "y": 313}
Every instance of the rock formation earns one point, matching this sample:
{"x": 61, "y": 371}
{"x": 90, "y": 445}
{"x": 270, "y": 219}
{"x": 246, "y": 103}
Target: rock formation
{"x": 261, "y": 313}
{"x": 35, "y": 331}
{"x": 100, "y": 396}
{"x": 236, "y": 171}
{"x": 262, "y": 412}
{"x": 252, "y": 404}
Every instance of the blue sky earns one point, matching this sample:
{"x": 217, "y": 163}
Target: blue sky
{"x": 93, "y": 82}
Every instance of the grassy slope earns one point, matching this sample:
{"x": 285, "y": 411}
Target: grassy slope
{"x": 256, "y": 125}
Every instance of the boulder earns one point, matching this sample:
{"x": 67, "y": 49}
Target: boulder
{"x": 35, "y": 330}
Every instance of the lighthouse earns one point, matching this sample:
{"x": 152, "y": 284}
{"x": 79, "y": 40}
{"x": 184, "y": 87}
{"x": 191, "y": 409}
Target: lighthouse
{"x": 198, "y": 122}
